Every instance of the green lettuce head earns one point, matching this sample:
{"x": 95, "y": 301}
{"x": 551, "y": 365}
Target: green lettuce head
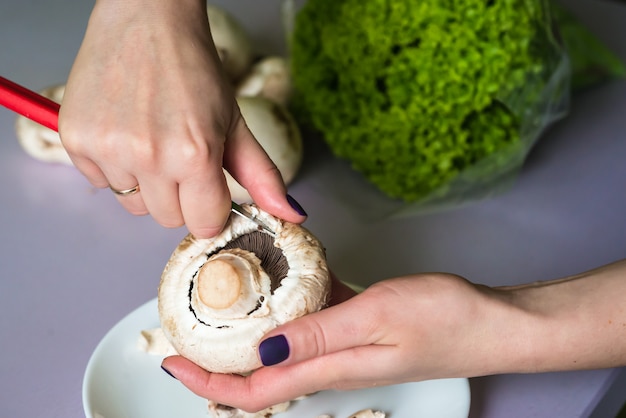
{"x": 420, "y": 95}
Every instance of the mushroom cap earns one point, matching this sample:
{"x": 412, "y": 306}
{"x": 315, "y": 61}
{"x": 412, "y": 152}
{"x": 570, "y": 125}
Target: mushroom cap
{"x": 270, "y": 78}
{"x": 276, "y": 130}
{"x": 290, "y": 280}
{"x": 233, "y": 44}
{"x": 39, "y": 141}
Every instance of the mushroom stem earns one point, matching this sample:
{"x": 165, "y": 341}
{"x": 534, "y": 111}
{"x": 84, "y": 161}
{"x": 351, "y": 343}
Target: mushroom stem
{"x": 219, "y": 284}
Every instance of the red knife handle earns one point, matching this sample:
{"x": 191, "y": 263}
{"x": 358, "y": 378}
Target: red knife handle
{"x": 30, "y": 104}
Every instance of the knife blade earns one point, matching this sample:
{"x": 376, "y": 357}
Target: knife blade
{"x": 235, "y": 208}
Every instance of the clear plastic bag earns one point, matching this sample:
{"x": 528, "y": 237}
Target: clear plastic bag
{"x": 531, "y": 105}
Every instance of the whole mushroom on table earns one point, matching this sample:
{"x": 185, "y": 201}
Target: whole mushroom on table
{"x": 39, "y": 141}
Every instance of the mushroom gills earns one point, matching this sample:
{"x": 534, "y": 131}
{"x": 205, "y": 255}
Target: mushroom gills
{"x": 236, "y": 280}
{"x": 222, "y": 411}
{"x": 273, "y": 261}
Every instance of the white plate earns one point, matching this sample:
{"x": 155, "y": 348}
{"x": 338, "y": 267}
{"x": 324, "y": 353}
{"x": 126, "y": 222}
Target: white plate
{"x": 123, "y": 382}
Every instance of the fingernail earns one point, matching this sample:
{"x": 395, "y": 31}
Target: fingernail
{"x": 168, "y": 372}
{"x": 274, "y": 350}
{"x": 296, "y": 206}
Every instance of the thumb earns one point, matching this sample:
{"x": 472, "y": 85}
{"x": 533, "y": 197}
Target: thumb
{"x": 248, "y": 163}
{"x": 334, "y": 329}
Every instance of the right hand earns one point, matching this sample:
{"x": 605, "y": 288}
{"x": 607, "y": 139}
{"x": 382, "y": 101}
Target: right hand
{"x": 147, "y": 103}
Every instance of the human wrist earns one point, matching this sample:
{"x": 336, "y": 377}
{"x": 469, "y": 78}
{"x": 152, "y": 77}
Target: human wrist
{"x": 577, "y": 322}
{"x": 502, "y": 337}
{"x": 480, "y": 330}
{"x": 119, "y": 11}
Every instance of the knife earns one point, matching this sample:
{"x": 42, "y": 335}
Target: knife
{"x": 235, "y": 208}
{"x": 46, "y": 112}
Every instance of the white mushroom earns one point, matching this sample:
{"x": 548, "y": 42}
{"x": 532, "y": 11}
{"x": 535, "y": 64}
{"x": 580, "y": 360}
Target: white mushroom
{"x": 38, "y": 141}
{"x": 231, "y": 41}
{"x": 219, "y": 296}
{"x": 277, "y": 132}
{"x": 269, "y": 78}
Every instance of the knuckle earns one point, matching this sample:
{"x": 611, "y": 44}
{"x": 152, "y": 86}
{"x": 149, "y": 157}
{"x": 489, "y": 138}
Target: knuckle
{"x": 71, "y": 140}
{"x": 106, "y": 146}
{"x": 143, "y": 150}
{"x": 262, "y": 178}
{"x": 197, "y": 157}
{"x": 191, "y": 151}
{"x": 317, "y": 339}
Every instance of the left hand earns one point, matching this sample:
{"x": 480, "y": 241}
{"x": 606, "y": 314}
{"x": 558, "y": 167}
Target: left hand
{"x": 398, "y": 330}
{"x": 432, "y": 326}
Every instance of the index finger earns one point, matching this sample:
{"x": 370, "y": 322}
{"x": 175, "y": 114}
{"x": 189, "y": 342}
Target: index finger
{"x": 248, "y": 163}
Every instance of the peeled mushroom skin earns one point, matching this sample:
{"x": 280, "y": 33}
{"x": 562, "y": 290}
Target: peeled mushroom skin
{"x": 217, "y": 320}
{"x": 39, "y": 141}
{"x": 364, "y": 413}
{"x": 233, "y": 44}
{"x": 222, "y": 411}
{"x": 277, "y": 132}
{"x": 153, "y": 341}
{"x": 368, "y": 413}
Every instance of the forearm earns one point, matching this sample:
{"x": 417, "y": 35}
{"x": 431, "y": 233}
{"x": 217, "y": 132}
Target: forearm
{"x": 148, "y": 7}
{"x": 133, "y": 17}
{"x": 577, "y": 322}
{"x": 139, "y": 48}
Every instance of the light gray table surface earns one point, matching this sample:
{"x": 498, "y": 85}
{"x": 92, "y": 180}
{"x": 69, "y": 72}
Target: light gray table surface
{"x": 73, "y": 262}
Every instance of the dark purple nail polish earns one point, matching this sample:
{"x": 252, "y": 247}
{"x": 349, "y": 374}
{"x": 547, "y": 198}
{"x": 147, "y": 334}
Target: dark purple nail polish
{"x": 168, "y": 372}
{"x": 296, "y": 206}
{"x": 274, "y": 350}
